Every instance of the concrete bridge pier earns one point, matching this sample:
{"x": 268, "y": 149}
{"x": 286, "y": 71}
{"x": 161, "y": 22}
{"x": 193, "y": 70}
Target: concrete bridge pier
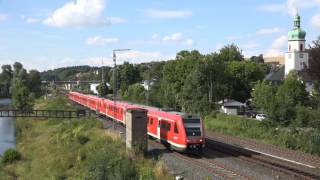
{"x": 136, "y": 130}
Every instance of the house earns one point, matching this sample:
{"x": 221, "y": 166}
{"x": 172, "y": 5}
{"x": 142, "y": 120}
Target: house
{"x": 232, "y": 107}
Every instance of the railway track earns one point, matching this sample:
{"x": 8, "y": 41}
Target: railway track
{"x": 217, "y": 169}
{"x": 292, "y": 170}
{"x": 223, "y": 171}
{"x": 213, "y": 167}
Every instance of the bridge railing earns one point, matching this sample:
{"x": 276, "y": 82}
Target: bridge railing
{"x": 43, "y": 113}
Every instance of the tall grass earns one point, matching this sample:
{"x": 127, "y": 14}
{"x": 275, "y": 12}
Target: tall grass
{"x": 306, "y": 140}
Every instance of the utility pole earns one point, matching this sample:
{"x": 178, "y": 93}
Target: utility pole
{"x": 102, "y": 76}
{"x": 148, "y": 84}
{"x": 115, "y": 83}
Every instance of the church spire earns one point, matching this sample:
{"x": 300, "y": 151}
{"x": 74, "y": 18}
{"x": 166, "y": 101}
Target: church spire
{"x": 297, "y": 21}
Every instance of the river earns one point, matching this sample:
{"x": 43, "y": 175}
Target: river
{"x": 7, "y": 130}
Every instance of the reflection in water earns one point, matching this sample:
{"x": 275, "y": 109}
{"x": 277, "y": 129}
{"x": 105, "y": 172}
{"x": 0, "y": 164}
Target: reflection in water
{"x": 7, "y": 136}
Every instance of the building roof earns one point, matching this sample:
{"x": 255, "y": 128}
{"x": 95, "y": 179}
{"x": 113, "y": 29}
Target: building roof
{"x": 231, "y": 103}
{"x": 276, "y": 75}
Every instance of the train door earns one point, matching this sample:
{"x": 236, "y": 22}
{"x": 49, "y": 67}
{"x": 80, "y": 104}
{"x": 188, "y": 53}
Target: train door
{"x": 175, "y": 132}
{"x": 159, "y": 129}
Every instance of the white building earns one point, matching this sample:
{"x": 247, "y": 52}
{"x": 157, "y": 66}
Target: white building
{"x": 93, "y": 88}
{"x": 231, "y": 107}
{"x": 296, "y": 58}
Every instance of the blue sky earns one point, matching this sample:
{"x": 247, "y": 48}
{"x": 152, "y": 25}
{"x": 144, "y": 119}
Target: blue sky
{"x": 56, "y": 33}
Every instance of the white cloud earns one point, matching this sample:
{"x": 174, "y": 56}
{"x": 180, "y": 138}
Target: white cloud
{"x": 277, "y": 47}
{"x": 168, "y": 14}
{"x": 315, "y": 21}
{"x": 290, "y": 6}
{"x": 175, "y": 37}
{"x": 268, "y": 31}
{"x": 155, "y": 36}
{"x": 101, "y": 41}
{"x": 30, "y": 20}
{"x": 190, "y": 42}
{"x": 81, "y": 13}
{"x": 3, "y": 17}
{"x": 272, "y": 8}
{"x": 141, "y": 56}
{"x": 134, "y": 57}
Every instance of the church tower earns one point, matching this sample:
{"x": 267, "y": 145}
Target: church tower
{"x": 296, "y": 58}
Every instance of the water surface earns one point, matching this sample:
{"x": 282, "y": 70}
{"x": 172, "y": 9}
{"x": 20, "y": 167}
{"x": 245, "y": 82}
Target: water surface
{"x": 7, "y": 134}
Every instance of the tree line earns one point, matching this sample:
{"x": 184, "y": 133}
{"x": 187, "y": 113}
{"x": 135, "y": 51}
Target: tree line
{"x": 192, "y": 82}
{"x": 22, "y": 86}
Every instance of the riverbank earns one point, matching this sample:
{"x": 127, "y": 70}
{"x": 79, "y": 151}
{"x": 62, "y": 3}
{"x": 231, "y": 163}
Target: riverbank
{"x": 57, "y": 149}
{"x": 304, "y": 140}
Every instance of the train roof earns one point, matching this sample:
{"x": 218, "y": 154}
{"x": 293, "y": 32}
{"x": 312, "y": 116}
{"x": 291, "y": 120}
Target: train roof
{"x": 166, "y": 113}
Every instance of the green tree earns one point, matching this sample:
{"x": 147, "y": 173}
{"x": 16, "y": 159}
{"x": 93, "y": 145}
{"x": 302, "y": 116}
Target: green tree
{"x": 314, "y": 58}
{"x": 205, "y": 85}
{"x": 291, "y": 93}
{"x": 242, "y": 76}
{"x": 315, "y": 95}
{"x": 17, "y": 67}
{"x": 103, "y": 89}
{"x": 5, "y": 80}
{"x": 263, "y": 97}
{"x": 34, "y": 82}
{"x": 22, "y": 97}
{"x": 257, "y": 59}
{"x": 230, "y": 53}
{"x": 174, "y": 75}
{"x": 127, "y": 74}
{"x": 189, "y": 55}
{"x": 135, "y": 93}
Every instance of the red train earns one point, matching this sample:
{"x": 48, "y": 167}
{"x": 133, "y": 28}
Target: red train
{"x": 182, "y": 132}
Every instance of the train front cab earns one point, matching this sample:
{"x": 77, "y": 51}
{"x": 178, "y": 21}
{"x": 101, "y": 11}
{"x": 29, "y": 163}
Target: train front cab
{"x": 194, "y": 132}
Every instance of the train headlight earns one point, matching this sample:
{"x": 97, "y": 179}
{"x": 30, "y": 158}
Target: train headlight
{"x": 200, "y": 140}
{"x": 188, "y": 140}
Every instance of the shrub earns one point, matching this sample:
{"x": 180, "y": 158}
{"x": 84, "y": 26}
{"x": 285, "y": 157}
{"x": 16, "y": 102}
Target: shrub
{"x": 82, "y": 139}
{"x": 11, "y": 156}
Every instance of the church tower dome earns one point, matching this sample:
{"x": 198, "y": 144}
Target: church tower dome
{"x": 296, "y": 58}
{"x": 297, "y": 33}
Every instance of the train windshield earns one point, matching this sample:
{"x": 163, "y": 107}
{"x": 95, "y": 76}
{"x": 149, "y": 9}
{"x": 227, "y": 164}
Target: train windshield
{"x": 193, "y": 131}
{"x": 192, "y": 126}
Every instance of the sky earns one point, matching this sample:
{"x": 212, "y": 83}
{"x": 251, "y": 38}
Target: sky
{"x": 49, "y": 34}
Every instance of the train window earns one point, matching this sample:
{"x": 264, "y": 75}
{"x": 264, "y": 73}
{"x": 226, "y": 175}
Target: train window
{"x": 163, "y": 125}
{"x": 151, "y": 121}
{"x": 169, "y": 127}
{"x": 176, "y": 128}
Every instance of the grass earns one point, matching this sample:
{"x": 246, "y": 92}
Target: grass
{"x": 265, "y": 132}
{"x": 58, "y": 149}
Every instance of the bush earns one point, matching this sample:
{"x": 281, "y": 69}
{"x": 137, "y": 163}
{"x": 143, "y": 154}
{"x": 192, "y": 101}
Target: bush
{"x": 82, "y": 139}
{"x": 11, "y": 156}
